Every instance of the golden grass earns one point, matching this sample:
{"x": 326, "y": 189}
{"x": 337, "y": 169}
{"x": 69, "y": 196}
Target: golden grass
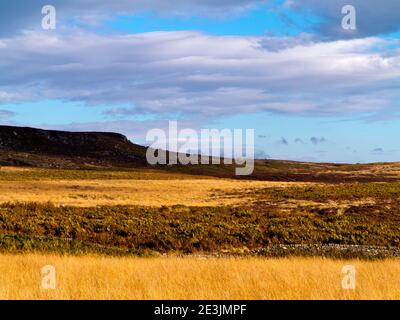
{"x": 31, "y": 173}
{"x": 85, "y": 193}
{"x": 17, "y": 169}
{"x": 94, "y": 277}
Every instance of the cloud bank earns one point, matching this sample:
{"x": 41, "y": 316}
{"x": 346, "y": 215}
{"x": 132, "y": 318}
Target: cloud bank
{"x": 195, "y": 75}
{"x": 19, "y": 15}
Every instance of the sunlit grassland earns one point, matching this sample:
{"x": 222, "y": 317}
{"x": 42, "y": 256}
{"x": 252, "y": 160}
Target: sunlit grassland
{"x": 203, "y": 237}
{"x": 43, "y": 174}
{"x": 95, "y": 277}
{"x": 150, "y": 192}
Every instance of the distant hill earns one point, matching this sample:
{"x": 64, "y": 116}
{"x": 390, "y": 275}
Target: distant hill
{"x": 51, "y": 148}
{"x": 23, "y": 146}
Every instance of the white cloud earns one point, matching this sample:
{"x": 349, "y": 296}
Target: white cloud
{"x": 373, "y": 18}
{"x": 19, "y": 15}
{"x": 200, "y": 75}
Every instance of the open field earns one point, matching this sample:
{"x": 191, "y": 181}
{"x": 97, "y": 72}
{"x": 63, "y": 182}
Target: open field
{"x": 264, "y": 170}
{"x": 151, "y": 212}
{"x": 151, "y": 192}
{"x": 94, "y": 277}
{"x": 222, "y": 230}
{"x": 88, "y": 188}
{"x": 152, "y": 234}
{"x": 10, "y": 173}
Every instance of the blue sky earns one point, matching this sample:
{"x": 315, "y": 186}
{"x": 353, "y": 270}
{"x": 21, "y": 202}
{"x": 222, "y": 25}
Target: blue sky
{"x": 311, "y": 90}
{"x": 260, "y": 20}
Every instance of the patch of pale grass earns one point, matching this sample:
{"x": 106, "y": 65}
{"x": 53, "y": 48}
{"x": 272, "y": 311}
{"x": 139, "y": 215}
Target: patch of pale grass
{"x": 95, "y": 277}
{"x": 15, "y": 169}
{"x": 85, "y": 193}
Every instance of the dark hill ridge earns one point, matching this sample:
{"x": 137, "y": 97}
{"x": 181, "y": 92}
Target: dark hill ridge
{"x": 51, "y": 148}
{"x": 23, "y": 146}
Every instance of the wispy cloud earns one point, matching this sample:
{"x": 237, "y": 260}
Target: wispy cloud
{"x": 283, "y": 141}
{"x": 315, "y": 140}
{"x": 5, "y": 114}
{"x": 378, "y": 151}
{"x": 19, "y": 15}
{"x": 197, "y": 75}
{"x": 373, "y": 18}
{"x": 299, "y": 140}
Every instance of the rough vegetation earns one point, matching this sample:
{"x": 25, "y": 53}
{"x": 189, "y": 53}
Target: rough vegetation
{"x": 105, "y": 199}
{"x": 200, "y": 230}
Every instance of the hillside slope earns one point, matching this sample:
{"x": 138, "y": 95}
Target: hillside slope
{"x": 23, "y": 146}
{"x": 50, "y": 148}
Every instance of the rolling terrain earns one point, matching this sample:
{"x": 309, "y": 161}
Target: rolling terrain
{"x": 89, "y": 201}
{"x": 93, "y": 192}
{"x": 29, "y": 147}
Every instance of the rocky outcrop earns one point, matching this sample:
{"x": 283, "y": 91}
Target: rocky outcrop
{"x": 51, "y": 148}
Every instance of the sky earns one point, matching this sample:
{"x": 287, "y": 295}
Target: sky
{"x": 312, "y": 90}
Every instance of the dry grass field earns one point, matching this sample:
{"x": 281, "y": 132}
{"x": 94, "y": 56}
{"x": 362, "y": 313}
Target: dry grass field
{"x": 109, "y": 218}
{"x": 87, "y": 193}
{"x": 144, "y": 188}
{"x": 95, "y": 277}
